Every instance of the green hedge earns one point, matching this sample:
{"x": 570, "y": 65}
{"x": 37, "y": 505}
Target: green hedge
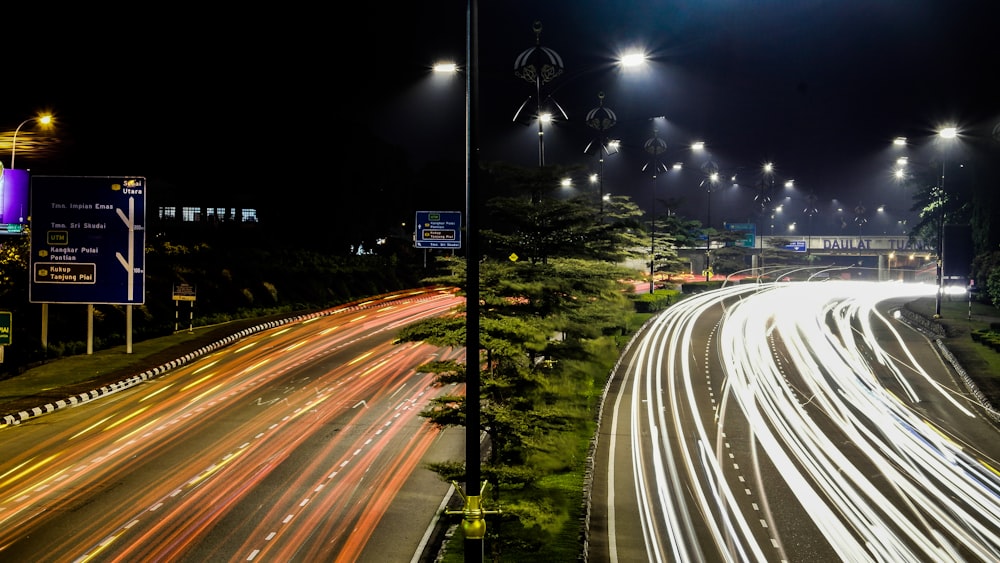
{"x": 656, "y": 301}
{"x": 987, "y": 337}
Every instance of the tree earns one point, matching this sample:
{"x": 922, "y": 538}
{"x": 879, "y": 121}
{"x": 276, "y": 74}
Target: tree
{"x": 533, "y": 316}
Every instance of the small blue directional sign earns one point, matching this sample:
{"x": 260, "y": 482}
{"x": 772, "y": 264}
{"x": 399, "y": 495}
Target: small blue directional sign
{"x": 438, "y": 229}
{"x": 796, "y": 246}
{"x": 87, "y": 240}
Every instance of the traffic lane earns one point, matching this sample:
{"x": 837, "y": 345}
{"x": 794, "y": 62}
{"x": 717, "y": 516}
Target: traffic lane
{"x": 616, "y": 531}
{"x": 814, "y": 415}
{"x": 939, "y": 392}
{"x": 890, "y": 469}
{"x": 143, "y": 417}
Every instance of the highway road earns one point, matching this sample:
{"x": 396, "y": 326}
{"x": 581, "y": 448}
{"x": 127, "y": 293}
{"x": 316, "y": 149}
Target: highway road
{"x": 793, "y": 422}
{"x": 298, "y": 443}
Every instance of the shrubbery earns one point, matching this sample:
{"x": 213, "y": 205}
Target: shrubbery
{"x": 990, "y": 338}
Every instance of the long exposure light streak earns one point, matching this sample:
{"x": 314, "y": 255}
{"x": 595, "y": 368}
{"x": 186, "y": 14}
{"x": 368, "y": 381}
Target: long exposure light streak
{"x": 290, "y": 446}
{"x": 795, "y": 420}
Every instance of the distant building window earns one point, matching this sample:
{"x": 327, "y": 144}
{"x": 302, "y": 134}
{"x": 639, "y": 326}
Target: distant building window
{"x": 169, "y": 213}
{"x": 215, "y": 214}
{"x": 191, "y": 214}
{"x": 249, "y": 215}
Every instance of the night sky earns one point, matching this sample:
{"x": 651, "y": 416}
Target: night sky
{"x": 259, "y": 101}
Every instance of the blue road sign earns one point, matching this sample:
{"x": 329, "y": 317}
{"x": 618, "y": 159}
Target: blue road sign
{"x": 87, "y": 240}
{"x": 796, "y": 246}
{"x": 438, "y": 229}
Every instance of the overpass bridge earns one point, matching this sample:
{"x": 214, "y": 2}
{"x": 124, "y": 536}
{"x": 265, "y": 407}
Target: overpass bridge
{"x": 911, "y": 260}
{"x": 892, "y": 257}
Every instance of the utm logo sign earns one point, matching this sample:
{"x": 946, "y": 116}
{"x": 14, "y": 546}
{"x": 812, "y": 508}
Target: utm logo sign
{"x": 4, "y": 328}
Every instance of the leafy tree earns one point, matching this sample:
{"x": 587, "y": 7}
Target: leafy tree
{"x": 986, "y": 272}
{"x": 993, "y": 287}
{"x": 532, "y": 316}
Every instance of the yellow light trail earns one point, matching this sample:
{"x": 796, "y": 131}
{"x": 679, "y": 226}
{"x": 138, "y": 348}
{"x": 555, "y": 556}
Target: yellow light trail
{"x": 155, "y": 393}
{"x": 359, "y": 358}
{"x": 31, "y": 469}
{"x": 247, "y": 347}
{"x": 206, "y": 393}
{"x": 138, "y": 430}
{"x": 197, "y": 382}
{"x": 89, "y": 428}
{"x": 127, "y": 418}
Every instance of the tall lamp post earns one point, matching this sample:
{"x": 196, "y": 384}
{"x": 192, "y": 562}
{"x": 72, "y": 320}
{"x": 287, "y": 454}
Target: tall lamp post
{"x": 655, "y": 146}
{"x": 765, "y": 191}
{"x": 538, "y": 65}
{"x": 946, "y": 134}
{"x": 711, "y": 170}
{"x": 473, "y": 521}
{"x": 601, "y": 119}
{"x": 810, "y": 211}
{"x": 44, "y": 119}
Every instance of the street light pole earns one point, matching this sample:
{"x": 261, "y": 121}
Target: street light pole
{"x": 939, "y": 269}
{"x": 947, "y": 133}
{"x": 45, "y": 119}
{"x": 765, "y": 190}
{"x": 474, "y": 521}
{"x": 712, "y": 170}
{"x": 538, "y": 65}
{"x": 601, "y": 119}
{"x": 655, "y": 146}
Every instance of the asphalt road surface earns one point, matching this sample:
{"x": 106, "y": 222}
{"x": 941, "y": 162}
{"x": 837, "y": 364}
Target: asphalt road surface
{"x": 298, "y": 443}
{"x": 793, "y": 422}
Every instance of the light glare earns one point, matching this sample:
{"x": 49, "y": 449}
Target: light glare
{"x": 445, "y": 67}
{"x": 634, "y": 58}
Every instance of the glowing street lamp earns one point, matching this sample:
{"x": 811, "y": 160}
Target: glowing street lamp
{"x": 711, "y": 170}
{"x": 445, "y": 67}
{"x": 538, "y": 65}
{"x": 634, "y": 58}
{"x": 655, "y": 146}
{"x": 44, "y": 119}
{"x": 601, "y": 119}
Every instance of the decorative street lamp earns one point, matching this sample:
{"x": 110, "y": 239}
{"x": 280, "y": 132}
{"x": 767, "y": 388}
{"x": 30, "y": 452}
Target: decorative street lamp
{"x": 655, "y": 146}
{"x": 711, "y": 170}
{"x": 810, "y": 211}
{"x": 538, "y": 65}
{"x": 44, "y": 119}
{"x": 601, "y": 119}
{"x": 860, "y": 217}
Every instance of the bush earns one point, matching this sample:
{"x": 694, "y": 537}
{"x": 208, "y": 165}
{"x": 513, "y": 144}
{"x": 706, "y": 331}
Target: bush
{"x": 989, "y": 338}
{"x": 656, "y": 301}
